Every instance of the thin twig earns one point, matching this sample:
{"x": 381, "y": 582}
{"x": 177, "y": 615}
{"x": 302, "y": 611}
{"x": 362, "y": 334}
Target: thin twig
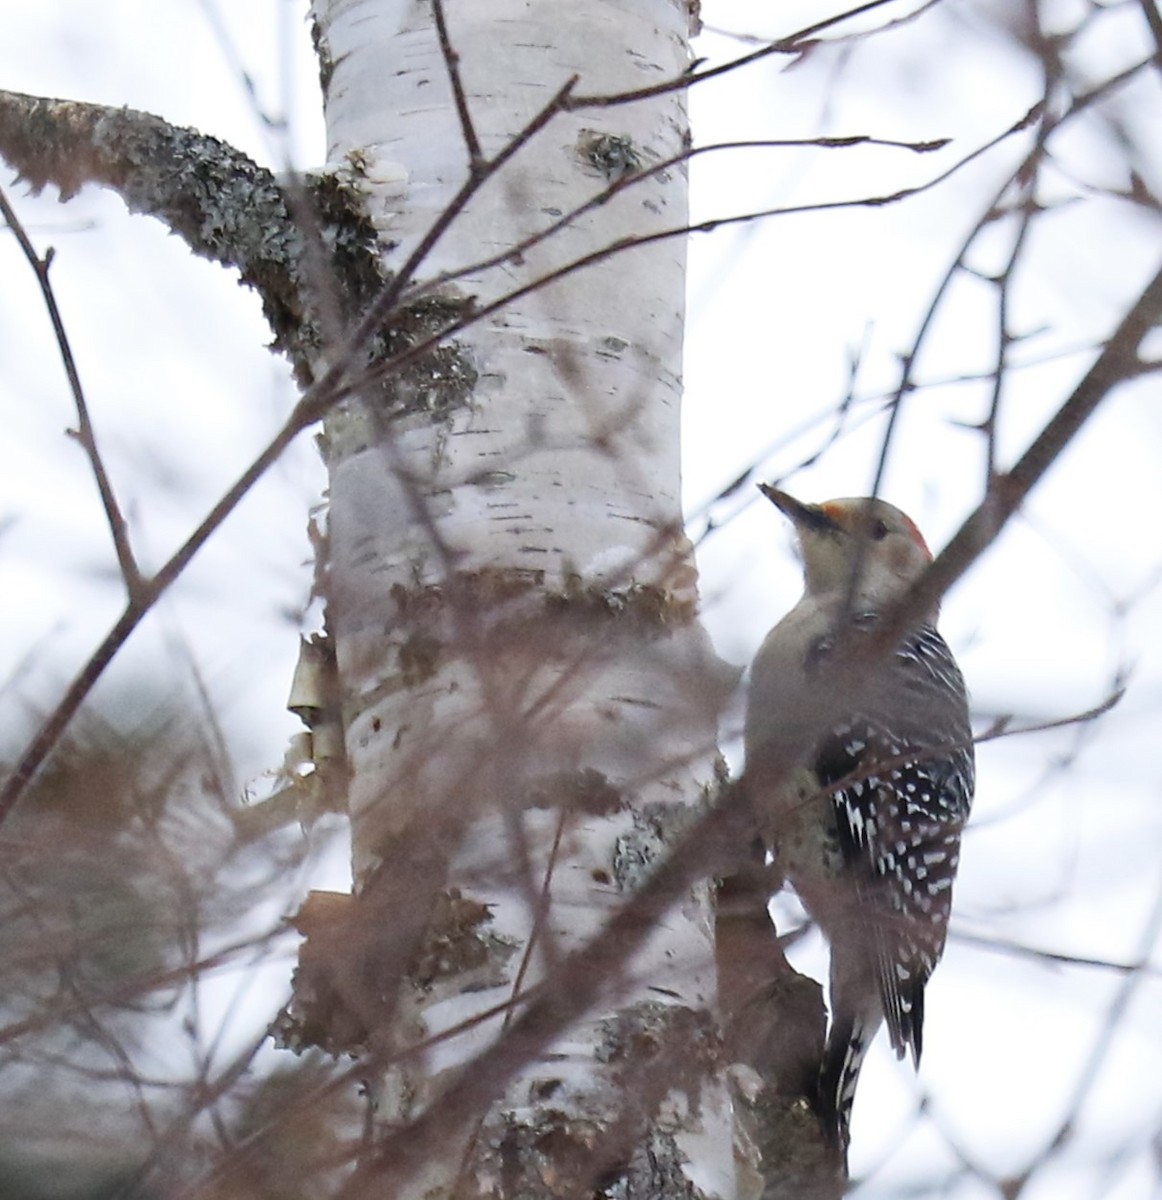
{"x": 391, "y": 365}
{"x": 139, "y": 605}
{"x": 753, "y": 39}
{"x": 1129, "y": 986}
{"x": 1048, "y": 127}
{"x": 1057, "y": 957}
{"x": 540, "y": 915}
{"x": 1005, "y": 336}
{"x": 1007, "y": 492}
{"x": 517, "y": 251}
{"x": 85, "y": 434}
{"x": 451, "y": 55}
{"x": 908, "y": 362}
{"x": 794, "y": 43}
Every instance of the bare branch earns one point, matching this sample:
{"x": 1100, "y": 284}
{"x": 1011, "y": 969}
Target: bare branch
{"x": 382, "y": 370}
{"x": 1154, "y": 20}
{"x": 794, "y": 43}
{"x": 452, "y": 62}
{"x": 1005, "y": 494}
{"x": 1055, "y": 957}
{"x": 139, "y": 605}
{"x": 1026, "y": 167}
{"x": 625, "y": 182}
{"x": 85, "y": 434}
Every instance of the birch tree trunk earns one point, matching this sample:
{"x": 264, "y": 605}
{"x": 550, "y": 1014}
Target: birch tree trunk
{"x": 530, "y": 706}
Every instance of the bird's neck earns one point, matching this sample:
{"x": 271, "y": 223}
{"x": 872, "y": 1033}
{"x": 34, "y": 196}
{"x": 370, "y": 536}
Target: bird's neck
{"x": 869, "y": 599}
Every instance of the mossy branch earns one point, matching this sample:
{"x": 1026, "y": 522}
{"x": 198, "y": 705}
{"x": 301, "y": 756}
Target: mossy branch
{"x": 220, "y": 202}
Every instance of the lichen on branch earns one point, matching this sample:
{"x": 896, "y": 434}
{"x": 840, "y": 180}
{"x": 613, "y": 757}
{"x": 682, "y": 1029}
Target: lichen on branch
{"x": 225, "y": 206}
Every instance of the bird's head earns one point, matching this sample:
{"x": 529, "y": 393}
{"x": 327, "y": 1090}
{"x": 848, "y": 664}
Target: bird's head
{"x": 860, "y": 534}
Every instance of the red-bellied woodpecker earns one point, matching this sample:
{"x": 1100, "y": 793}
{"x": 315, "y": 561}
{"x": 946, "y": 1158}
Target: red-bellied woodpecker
{"x": 867, "y": 831}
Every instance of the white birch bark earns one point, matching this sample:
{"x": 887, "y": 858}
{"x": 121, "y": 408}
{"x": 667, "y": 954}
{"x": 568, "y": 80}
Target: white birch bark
{"x": 509, "y": 590}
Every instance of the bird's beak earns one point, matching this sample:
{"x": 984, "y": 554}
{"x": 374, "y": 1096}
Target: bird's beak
{"x": 804, "y": 516}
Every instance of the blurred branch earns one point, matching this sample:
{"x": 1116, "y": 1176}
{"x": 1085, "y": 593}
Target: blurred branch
{"x": 579, "y": 982}
{"x": 1116, "y": 362}
{"x": 793, "y": 43}
{"x": 236, "y": 64}
{"x": 1099, "y": 1052}
{"x": 1037, "y": 953}
{"x": 139, "y": 604}
{"x": 1154, "y": 20}
{"x": 132, "y": 988}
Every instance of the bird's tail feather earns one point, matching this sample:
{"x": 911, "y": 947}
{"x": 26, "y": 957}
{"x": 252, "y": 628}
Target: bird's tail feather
{"x": 848, "y": 1040}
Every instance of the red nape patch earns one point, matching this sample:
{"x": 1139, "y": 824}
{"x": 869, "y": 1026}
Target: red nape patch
{"x": 917, "y": 536}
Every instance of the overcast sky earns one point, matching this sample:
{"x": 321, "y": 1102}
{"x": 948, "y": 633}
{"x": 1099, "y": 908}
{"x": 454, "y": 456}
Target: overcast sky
{"x": 1066, "y": 849}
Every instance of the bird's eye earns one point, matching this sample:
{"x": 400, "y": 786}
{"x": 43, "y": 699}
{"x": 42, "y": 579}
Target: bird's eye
{"x": 879, "y": 531}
